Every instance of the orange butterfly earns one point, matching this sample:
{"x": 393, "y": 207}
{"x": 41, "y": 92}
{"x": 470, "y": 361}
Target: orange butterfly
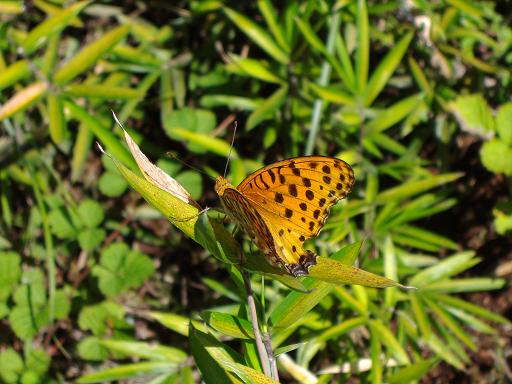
{"x": 285, "y": 203}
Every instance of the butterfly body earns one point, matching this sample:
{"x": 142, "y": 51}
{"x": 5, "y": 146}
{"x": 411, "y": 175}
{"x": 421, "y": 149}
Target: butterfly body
{"x": 285, "y": 203}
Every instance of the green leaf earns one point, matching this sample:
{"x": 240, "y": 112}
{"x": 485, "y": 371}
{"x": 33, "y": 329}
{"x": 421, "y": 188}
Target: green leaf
{"x": 451, "y": 325}
{"x": 14, "y": 73}
{"x": 445, "y": 352}
{"x": 465, "y": 285}
{"x": 448, "y": 267}
{"x": 37, "y": 360}
{"x": 472, "y": 308}
{"x": 503, "y": 119}
{"x": 98, "y": 91}
{"x": 473, "y": 114}
{"x": 11, "y": 365}
{"x": 317, "y": 44}
{"x": 26, "y": 321}
{"x": 62, "y": 224}
{"x": 88, "y": 56}
{"x": 10, "y": 273}
{"x": 258, "y": 69}
{"x": 297, "y": 304}
{"x": 90, "y": 348}
{"x": 192, "y": 182}
{"x": 201, "y": 143}
{"x": 268, "y": 108}
{"x": 502, "y": 222}
{"x": 155, "y": 352}
{"x": 258, "y": 35}
{"x": 390, "y": 116}
{"x": 57, "y": 122}
{"x": 419, "y": 311}
{"x": 51, "y": 26}
{"x": 92, "y": 318}
{"x": 334, "y": 272}
{"x": 90, "y": 238}
{"x": 420, "y": 77}
{"x": 390, "y": 342}
{"x": 177, "y": 323}
{"x": 121, "y": 269}
{"x": 413, "y": 187}
{"x": 112, "y": 184}
{"x": 413, "y": 372}
{"x": 23, "y": 99}
{"x": 91, "y": 213}
{"x": 229, "y": 325}
{"x": 128, "y": 371}
{"x": 386, "y": 68}
{"x": 230, "y": 101}
{"x": 103, "y": 133}
{"x": 194, "y": 126}
{"x": 209, "y": 354}
{"x": 62, "y": 304}
{"x": 496, "y": 156}
{"x": 270, "y": 14}
{"x": 335, "y": 95}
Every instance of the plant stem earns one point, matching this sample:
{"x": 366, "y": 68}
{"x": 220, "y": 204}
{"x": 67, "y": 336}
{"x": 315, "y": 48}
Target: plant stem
{"x": 272, "y": 360}
{"x": 255, "y": 324}
{"x": 323, "y": 81}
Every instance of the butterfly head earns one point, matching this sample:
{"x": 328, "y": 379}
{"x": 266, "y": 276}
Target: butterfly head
{"x": 221, "y": 184}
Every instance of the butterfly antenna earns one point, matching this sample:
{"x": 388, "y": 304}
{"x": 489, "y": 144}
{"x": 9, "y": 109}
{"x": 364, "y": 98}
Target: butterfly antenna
{"x": 188, "y": 165}
{"x": 230, "y": 149}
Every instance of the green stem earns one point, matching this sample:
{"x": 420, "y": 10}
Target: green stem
{"x": 325, "y": 75}
{"x": 255, "y": 324}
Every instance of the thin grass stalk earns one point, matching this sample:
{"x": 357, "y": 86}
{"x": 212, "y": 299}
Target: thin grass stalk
{"x": 262, "y": 353}
{"x": 323, "y": 80}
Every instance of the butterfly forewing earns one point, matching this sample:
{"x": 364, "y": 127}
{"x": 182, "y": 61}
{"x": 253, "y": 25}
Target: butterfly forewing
{"x": 285, "y": 203}
{"x": 300, "y": 190}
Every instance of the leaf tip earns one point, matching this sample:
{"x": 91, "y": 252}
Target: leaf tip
{"x": 408, "y": 287}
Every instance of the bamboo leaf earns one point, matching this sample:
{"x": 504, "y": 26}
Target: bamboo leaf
{"x": 269, "y": 13}
{"x": 414, "y": 187}
{"x": 58, "y": 126}
{"x": 23, "y": 99}
{"x": 296, "y": 304}
{"x": 254, "y": 68}
{"x": 100, "y": 91}
{"x": 445, "y": 268}
{"x": 13, "y": 73}
{"x": 267, "y": 109}
{"x": 258, "y": 35}
{"x": 51, "y": 26}
{"x": 390, "y": 116}
{"x": 128, "y": 371}
{"x": 89, "y": 55}
{"x": 386, "y": 68}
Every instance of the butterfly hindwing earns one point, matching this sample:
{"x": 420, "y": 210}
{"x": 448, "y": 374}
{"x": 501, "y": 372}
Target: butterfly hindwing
{"x": 246, "y": 215}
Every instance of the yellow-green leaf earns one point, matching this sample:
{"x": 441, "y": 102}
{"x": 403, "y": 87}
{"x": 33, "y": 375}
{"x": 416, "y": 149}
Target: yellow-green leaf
{"x": 88, "y": 56}
{"x": 51, "y": 26}
{"x": 23, "y": 99}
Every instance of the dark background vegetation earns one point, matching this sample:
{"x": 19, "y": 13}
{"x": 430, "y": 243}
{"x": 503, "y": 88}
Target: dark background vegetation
{"x": 96, "y": 285}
